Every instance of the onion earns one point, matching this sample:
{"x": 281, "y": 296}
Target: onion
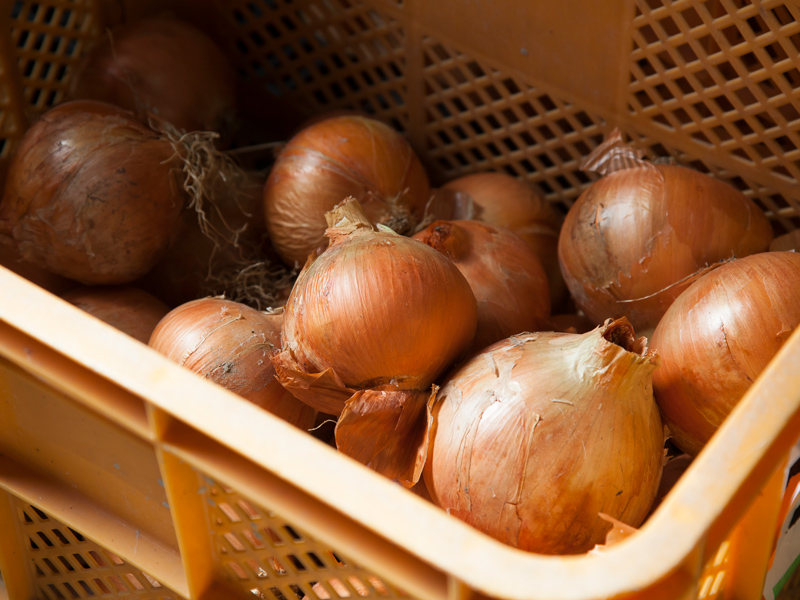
{"x": 129, "y": 309}
{"x": 368, "y": 327}
{"x": 509, "y": 202}
{"x": 230, "y": 343}
{"x": 163, "y": 66}
{"x": 542, "y": 432}
{"x": 638, "y": 237}
{"x": 572, "y": 323}
{"x": 504, "y": 273}
{"x": 91, "y": 195}
{"x": 9, "y": 258}
{"x": 786, "y": 242}
{"x": 718, "y": 336}
{"x": 331, "y": 160}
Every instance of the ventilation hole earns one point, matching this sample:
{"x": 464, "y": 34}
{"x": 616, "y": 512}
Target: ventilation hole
{"x": 510, "y": 144}
{"x": 682, "y": 116}
{"x": 26, "y": 517}
{"x": 339, "y": 561}
{"x": 234, "y": 541}
{"x": 257, "y": 569}
{"x": 86, "y": 588}
{"x": 722, "y": 134}
{"x": 546, "y": 132}
{"x": 229, "y": 512}
{"x": 119, "y": 584}
{"x": 510, "y": 170}
{"x": 66, "y": 563}
{"x": 50, "y": 565}
{"x": 565, "y": 126}
{"x": 134, "y": 581}
{"x": 378, "y": 585}
{"x": 102, "y": 586}
{"x": 97, "y": 558}
{"x": 23, "y": 39}
{"x": 646, "y": 67}
{"x": 339, "y": 587}
{"x": 254, "y": 540}
{"x": 493, "y": 93}
{"x": 33, "y": 544}
{"x": 528, "y": 165}
{"x": 643, "y": 99}
{"x": 114, "y": 558}
{"x": 276, "y": 565}
{"x": 648, "y": 34}
{"x": 71, "y": 591}
{"x": 358, "y": 586}
{"x": 493, "y": 149}
{"x": 547, "y": 162}
{"x": 663, "y": 91}
{"x": 45, "y": 539}
{"x": 238, "y": 571}
{"x": 299, "y": 594}
{"x": 314, "y": 558}
{"x": 493, "y": 122}
{"x": 40, "y": 514}
{"x": 296, "y": 562}
{"x": 39, "y": 571}
{"x": 151, "y": 581}
{"x": 277, "y": 593}
{"x": 545, "y": 187}
{"x": 445, "y": 163}
{"x": 62, "y": 538}
{"x": 510, "y": 116}
{"x": 56, "y": 592}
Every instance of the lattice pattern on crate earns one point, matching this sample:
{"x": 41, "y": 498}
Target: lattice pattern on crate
{"x": 328, "y": 54}
{"x": 11, "y": 117}
{"x": 66, "y": 565}
{"x": 479, "y": 119}
{"x": 48, "y": 36}
{"x": 712, "y": 581}
{"x": 260, "y": 552}
{"x": 725, "y": 75}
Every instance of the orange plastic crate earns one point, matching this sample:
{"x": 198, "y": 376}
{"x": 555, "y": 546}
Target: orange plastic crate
{"x": 122, "y": 474}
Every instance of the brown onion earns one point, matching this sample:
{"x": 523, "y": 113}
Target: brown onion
{"x": 540, "y": 433}
{"x": 163, "y": 66}
{"x": 369, "y": 325}
{"x": 10, "y": 259}
{"x": 504, "y": 273}
{"x": 129, "y": 309}
{"x": 514, "y": 204}
{"x": 637, "y": 237}
{"x": 91, "y": 194}
{"x": 331, "y": 160}
{"x": 786, "y": 242}
{"x": 230, "y": 343}
{"x": 718, "y": 336}
{"x": 572, "y": 323}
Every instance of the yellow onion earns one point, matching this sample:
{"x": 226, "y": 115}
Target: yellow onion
{"x": 129, "y": 309}
{"x": 514, "y": 204}
{"x": 718, "y": 336}
{"x": 572, "y": 323}
{"x": 230, "y": 343}
{"x": 786, "y": 242}
{"x": 91, "y": 194}
{"x": 505, "y": 275}
{"x": 331, "y": 160}
{"x": 542, "y": 432}
{"x": 163, "y": 66}
{"x": 369, "y": 325}
{"x": 636, "y": 238}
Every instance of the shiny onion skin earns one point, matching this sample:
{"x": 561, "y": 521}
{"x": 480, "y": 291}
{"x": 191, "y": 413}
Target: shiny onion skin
{"x": 129, "y": 309}
{"x": 509, "y": 202}
{"x": 718, "y": 336}
{"x": 638, "y": 237}
{"x": 230, "y": 343}
{"x": 163, "y": 66}
{"x": 331, "y": 160}
{"x": 504, "y": 273}
{"x": 91, "y": 194}
{"x": 540, "y": 433}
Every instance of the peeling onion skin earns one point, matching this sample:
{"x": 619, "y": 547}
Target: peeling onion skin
{"x": 510, "y": 202}
{"x": 716, "y": 339}
{"x": 129, "y": 309}
{"x": 230, "y": 343}
{"x": 504, "y": 273}
{"x": 331, "y": 160}
{"x": 91, "y": 195}
{"x": 164, "y": 66}
{"x": 633, "y": 240}
{"x": 540, "y": 433}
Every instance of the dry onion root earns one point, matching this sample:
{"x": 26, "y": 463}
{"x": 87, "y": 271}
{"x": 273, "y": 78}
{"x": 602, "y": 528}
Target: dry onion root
{"x": 369, "y": 325}
{"x": 230, "y": 343}
{"x": 638, "y": 237}
{"x": 504, "y": 273}
{"x": 718, "y": 336}
{"x": 540, "y": 433}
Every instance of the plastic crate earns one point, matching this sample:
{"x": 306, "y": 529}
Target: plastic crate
{"x": 123, "y": 474}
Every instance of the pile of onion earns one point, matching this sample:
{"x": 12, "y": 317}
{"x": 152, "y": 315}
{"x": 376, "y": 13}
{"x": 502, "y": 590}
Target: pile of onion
{"x": 91, "y": 194}
{"x": 129, "y": 309}
{"x": 540, "y": 433}
{"x": 514, "y": 204}
{"x": 369, "y": 325}
{"x": 718, "y": 336}
{"x": 504, "y": 273}
{"x": 230, "y": 344}
{"x": 163, "y": 66}
{"x": 636, "y": 238}
{"x": 330, "y": 160}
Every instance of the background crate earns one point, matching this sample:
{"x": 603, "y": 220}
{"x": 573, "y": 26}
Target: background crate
{"x": 124, "y": 481}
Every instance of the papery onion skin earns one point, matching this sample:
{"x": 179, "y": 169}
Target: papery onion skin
{"x": 91, "y": 194}
{"x": 540, "y": 433}
{"x": 164, "y": 66}
{"x": 331, "y": 160}
{"x": 380, "y": 308}
{"x": 718, "y": 336}
{"x": 129, "y": 309}
{"x": 230, "y": 343}
{"x": 504, "y": 273}
{"x": 510, "y": 202}
{"x": 634, "y": 239}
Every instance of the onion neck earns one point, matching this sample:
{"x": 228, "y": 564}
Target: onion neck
{"x": 346, "y": 218}
{"x": 448, "y": 238}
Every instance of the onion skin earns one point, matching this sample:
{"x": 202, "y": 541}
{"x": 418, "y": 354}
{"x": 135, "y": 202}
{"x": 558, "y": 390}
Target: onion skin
{"x": 164, "y": 66}
{"x": 716, "y": 339}
{"x": 230, "y": 343}
{"x": 509, "y": 202}
{"x": 540, "y": 433}
{"x": 90, "y": 194}
{"x": 331, "y": 160}
{"x": 504, "y": 273}
{"x": 129, "y": 309}
{"x": 635, "y": 238}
